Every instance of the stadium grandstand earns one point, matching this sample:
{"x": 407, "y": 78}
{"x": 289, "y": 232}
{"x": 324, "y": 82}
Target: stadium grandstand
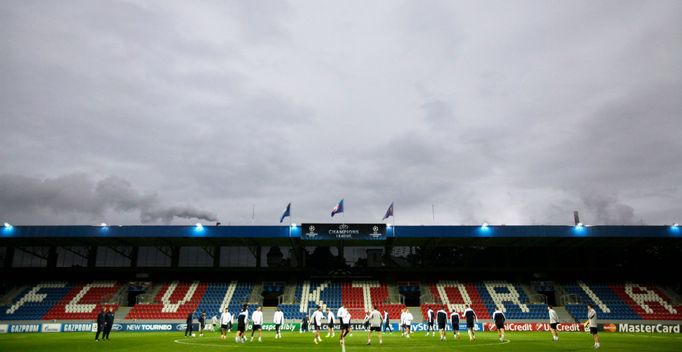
{"x": 163, "y": 273}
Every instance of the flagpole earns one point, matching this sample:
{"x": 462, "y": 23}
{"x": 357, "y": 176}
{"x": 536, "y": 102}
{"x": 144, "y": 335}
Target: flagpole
{"x": 289, "y": 208}
{"x": 394, "y": 223}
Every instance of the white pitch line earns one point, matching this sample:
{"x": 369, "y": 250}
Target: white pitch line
{"x": 284, "y": 347}
{"x": 230, "y": 345}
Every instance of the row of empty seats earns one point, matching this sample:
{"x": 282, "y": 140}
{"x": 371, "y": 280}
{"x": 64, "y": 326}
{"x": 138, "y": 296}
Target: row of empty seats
{"x": 176, "y": 299}
{"x": 617, "y": 301}
{"x": 61, "y": 301}
{"x": 310, "y": 294}
{"x": 511, "y": 299}
{"x": 230, "y": 295}
{"x": 365, "y": 294}
{"x": 455, "y": 296}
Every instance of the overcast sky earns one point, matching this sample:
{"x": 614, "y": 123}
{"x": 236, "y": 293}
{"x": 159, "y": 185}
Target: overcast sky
{"x": 508, "y": 112}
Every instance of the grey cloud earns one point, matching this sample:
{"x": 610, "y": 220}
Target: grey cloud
{"x": 608, "y": 210}
{"x": 508, "y": 112}
{"x": 22, "y": 199}
{"x": 166, "y": 215}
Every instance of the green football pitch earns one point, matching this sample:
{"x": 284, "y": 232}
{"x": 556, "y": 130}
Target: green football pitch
{"x": 167, "y": 342}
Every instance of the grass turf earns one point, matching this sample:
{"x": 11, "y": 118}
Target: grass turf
{"x": 167, "y": 342}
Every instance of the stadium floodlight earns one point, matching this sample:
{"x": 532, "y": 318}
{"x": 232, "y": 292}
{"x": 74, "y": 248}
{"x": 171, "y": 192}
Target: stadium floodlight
{"x": 8, "y": 226}
{"x": 484, "y": 229}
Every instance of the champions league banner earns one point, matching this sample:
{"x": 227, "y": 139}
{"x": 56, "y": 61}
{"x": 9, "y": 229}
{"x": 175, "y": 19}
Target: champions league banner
{"x": 362, "y": 232}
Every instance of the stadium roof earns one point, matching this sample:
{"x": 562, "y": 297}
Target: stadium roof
{"x": 396, "y": 232}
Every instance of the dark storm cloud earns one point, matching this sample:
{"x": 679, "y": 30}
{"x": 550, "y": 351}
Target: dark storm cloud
{"x": 79, "y": 194}
{"x": 498, "y": 111}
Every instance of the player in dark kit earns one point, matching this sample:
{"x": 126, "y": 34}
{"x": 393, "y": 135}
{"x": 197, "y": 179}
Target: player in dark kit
{"x": 202, "y": 323}
{"x": 100, "y": 323}
{"x": 108, "y": 323}
{"x": 442, "y": 320}
{"x": 242, "y": 319}
{"x": 454, "y": 320}
{"x": 499, "y": 319}
{"x": 471, "y": 320}
{"x": 387, "y": 322}
{"x": 429, "y": 321}
{"x": 304, "y": 324}
{"x": 188, "y": 329}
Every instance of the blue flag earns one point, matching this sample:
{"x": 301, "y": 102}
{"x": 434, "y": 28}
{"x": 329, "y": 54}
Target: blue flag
{"x": 287, "y": 212}
{"x": 389, "y": 212}
{"x": 338, "y": 208}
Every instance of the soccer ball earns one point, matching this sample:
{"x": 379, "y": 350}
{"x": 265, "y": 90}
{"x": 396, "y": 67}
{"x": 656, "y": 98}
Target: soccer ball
{"x": 194, "y": 335}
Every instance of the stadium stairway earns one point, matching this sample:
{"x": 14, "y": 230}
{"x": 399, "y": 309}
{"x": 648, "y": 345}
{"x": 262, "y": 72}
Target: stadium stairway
{"x": 256, "y": 296}
{"x": 122, "y": 312}
{"x": 12, "y": 294}
{"x": 269, "y": 314}
{"x": 527, "y": 290}
{"x": 289, "y": 295}
{"x": 427, "y": 295}
{"x": 154, "y": 290}
{"x": 675, "y": 298}
{"x": 564, "y": 315}
{"x": 393, "y": 294}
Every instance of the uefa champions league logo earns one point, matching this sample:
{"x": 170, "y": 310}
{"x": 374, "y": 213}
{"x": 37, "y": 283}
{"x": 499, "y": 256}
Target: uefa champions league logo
{"x": 375, "y": 232}
{"x": 311, "y": 231}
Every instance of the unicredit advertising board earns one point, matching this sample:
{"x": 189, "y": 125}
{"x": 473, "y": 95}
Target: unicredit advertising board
{"x": 563, "y": 327}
